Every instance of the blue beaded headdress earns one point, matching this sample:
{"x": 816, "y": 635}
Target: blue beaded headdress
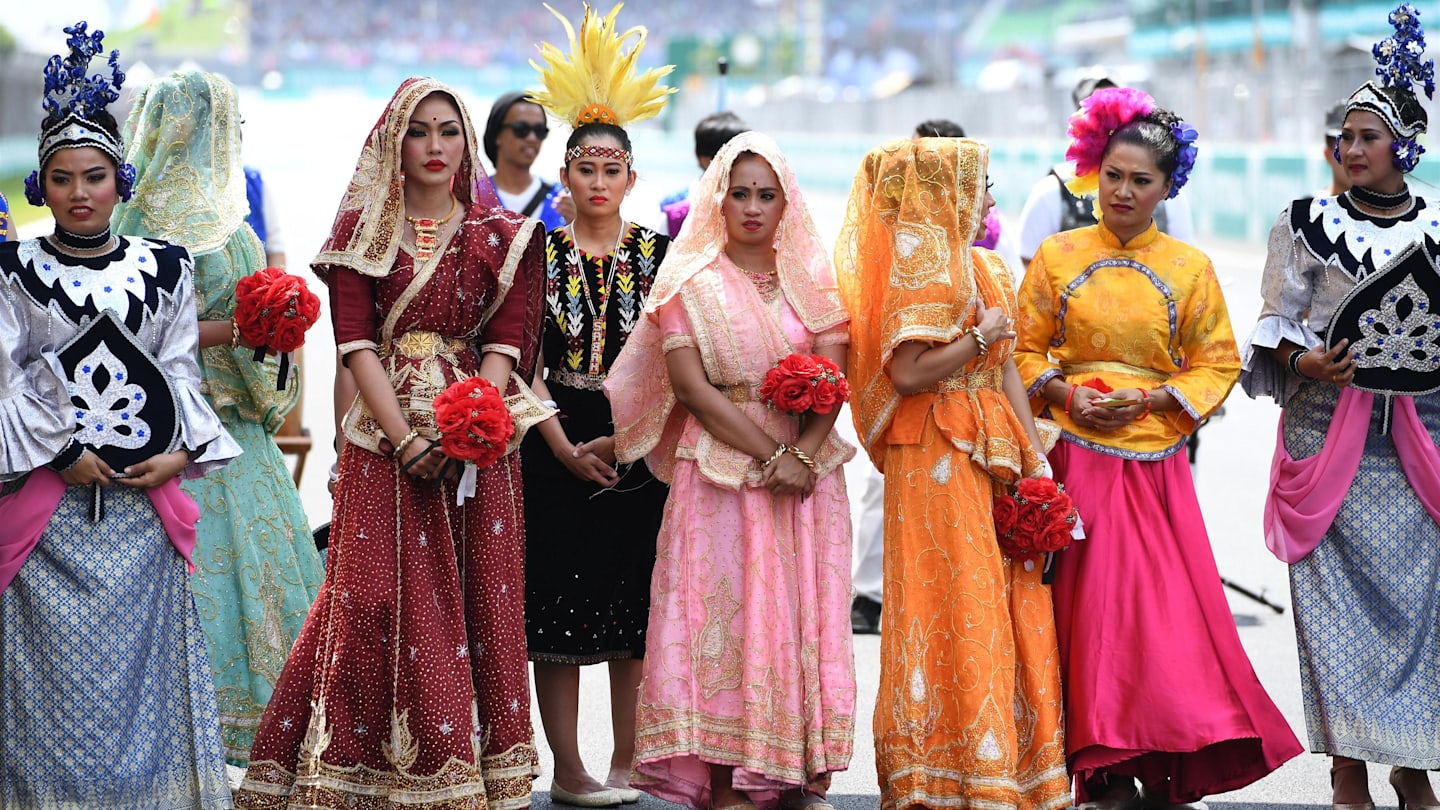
{"x": 73, "y": 101}
{"x": 1393, "y": 98}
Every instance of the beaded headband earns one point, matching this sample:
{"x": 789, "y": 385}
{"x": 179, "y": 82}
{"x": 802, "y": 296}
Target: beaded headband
{"x": 76, "y": 98}
{"x": 602, "y": 152}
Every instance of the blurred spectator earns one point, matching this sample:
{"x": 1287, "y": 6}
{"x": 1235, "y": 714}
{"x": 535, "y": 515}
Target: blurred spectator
{"x": 514, "y": 132}
{"x": 1339, "y": 180}
{"x": 712, "y": 133}
{"x": 264, "y": 219}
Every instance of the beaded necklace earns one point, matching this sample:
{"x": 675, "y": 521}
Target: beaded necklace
{"x": 578, "y": 278}
{"x": 1380, "y": 200}
{"x": 767, "y": 284}
{"x": 427, "y": 231}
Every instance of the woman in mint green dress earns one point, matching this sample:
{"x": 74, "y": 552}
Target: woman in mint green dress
{"x": 257, "y": 570}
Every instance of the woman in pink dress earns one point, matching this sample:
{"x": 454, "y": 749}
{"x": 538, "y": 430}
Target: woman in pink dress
{"x": 748, "y": 692}
{"x": 408, "y": 683}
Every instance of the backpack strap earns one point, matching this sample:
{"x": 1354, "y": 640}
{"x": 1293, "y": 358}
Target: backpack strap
{"x": 534, "y": 204}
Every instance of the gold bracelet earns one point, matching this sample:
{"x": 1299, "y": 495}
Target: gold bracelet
{"x": 779, "y": 451}
{"x": 980, "y": 340}
{"x": 803, "y": 457}
{"x": 234, "y": 334}
{"x": 405, "y": 443}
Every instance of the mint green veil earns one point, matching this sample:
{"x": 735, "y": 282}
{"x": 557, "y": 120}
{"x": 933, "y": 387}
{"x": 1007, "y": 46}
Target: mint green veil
{"x": 183, "y": 138}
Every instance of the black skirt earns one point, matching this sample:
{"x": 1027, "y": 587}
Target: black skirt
{"x": 589, "y": 550}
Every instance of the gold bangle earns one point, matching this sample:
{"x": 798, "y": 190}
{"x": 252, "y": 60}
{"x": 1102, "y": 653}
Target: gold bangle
{"x": 405, "y": 443}
{"x": 802, "y": 457}
{"x": 779, "y": 451}
{"x": 234, "y": 334}
{"x": 980, "y": 340}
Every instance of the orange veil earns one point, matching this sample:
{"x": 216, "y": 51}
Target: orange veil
{"x": 905, "y": 263}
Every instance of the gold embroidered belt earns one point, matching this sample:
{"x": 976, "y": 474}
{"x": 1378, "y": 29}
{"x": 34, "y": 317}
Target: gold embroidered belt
{"x": 1114, "y": 368}
{"x": 988, "y": 379}
{"x": 740, "y": 394}
{"x": 419, "y": 345}
{"x": 574, "y": 379}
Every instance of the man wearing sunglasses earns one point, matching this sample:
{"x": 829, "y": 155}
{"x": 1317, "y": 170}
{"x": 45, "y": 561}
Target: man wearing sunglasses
{"x": 514, "y": 133}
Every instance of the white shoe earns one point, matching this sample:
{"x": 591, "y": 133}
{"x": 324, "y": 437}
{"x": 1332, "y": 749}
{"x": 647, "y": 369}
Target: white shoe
{"x": 609, "y": 797}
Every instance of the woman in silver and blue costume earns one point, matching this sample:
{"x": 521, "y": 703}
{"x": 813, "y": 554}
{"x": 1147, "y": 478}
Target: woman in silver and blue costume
{"x": 105, "y": 691}
{"x": 1349, "y": 344}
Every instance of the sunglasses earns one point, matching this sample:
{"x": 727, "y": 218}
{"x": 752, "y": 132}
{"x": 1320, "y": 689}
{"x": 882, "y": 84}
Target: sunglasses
{"x": 522, "y": 129}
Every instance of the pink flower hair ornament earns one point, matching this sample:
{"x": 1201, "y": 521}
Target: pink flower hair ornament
{"x": 1100, "y": 116}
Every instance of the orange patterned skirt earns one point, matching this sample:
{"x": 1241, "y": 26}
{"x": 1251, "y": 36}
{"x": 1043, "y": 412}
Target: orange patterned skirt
{"x": 969, "y": 709}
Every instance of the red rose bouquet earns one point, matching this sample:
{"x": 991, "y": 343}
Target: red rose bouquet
{"x": 805, "y": 382}
{"x": 474, "y": 424}
{"x": 1038, "y": 519}
{"x": 273, "y": 311}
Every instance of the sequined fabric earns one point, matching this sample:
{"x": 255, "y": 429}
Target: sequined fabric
{"x": 596, "y": 545}
{"x": 749, "y": 659}
{"x": 968, "y": 711}
{"x": 257, "y": 570}
{"x": 183, "y": 138}
{"x": 408, "y": 685}
{"x": 748, "y": 651}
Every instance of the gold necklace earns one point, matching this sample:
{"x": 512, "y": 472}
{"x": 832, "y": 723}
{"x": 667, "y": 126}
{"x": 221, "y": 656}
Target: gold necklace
{"x": 766, "y": 284}
{"x": 427, "y": 231}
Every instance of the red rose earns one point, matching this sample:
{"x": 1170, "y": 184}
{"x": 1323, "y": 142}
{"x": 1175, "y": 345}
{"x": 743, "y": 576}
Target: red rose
{"x": 473, "y": 422}
{"x": 772, "y": 380}
{"x": 1099, "y": 385}
{"x": 287, "y": 334}
{"x": 1006, "y": 510}
{"x": 793, "y": 395}
{"x": 274, "y": 309}
{"x": 824, "y": 397}
{"x": 1037, "y": 490}
{"x": 800, "y": 366}
{"x": 1057, "y": 532}
{"x": 1028, "y": 525}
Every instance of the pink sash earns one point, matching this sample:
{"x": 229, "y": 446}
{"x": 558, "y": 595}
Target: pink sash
{"x": 1305, "y": 495}
{"x": 27, "y": 512}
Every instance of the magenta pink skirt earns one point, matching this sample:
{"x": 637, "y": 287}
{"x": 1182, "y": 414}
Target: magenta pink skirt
{"x": 1157, "y": 685}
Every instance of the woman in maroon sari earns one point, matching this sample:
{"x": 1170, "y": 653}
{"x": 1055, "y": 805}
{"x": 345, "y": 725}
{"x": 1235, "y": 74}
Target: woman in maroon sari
{"x": 408, "y": 684}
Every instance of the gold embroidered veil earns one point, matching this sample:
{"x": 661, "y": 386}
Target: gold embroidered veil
{"x": 904, "y": 262}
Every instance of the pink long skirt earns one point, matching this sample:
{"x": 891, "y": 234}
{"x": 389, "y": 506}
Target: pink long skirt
{"x": 1157, "y": 685}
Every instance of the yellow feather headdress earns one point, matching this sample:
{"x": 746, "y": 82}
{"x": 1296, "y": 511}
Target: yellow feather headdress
{"x": 596, "y": 82}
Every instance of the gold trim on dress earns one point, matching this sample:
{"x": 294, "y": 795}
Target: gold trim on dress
{"x": 422, "y": 345}
{"x": 1114, "y": 368}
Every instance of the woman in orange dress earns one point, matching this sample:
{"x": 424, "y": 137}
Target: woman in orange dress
{"x": 968, "y": 712}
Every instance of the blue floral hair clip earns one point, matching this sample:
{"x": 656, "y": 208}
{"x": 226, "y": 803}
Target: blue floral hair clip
{"x": 69, "y": 88}
{"x": 1185, "y": 135}
{"x": 1398, "y": 56}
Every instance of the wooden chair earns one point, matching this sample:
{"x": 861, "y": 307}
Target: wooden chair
{"x": 293, "y": 438}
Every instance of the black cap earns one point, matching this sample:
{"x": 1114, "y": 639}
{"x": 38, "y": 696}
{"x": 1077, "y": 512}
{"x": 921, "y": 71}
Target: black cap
{"x": 1335, "y": 120}
{"x": 1086, "y": 86}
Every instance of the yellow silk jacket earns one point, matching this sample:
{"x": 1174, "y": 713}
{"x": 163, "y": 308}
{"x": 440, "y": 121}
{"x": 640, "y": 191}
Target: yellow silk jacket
{"x": 1145, "y": 314}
